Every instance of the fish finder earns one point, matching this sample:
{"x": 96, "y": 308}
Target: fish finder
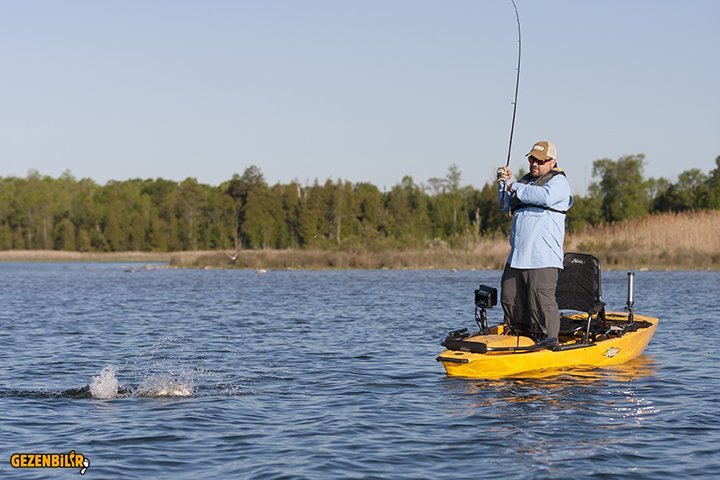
{"x": 485, "y": 297}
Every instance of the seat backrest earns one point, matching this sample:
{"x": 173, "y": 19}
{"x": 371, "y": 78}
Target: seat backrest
{"x": 579, "y": 284}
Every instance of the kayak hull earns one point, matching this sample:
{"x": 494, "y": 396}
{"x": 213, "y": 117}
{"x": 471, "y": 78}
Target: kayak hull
{"x": 611, "y": 351}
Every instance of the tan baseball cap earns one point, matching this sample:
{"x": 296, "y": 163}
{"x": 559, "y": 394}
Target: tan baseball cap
{"x": 543, "y": 150}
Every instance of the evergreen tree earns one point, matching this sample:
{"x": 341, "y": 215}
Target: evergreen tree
{"x": 292, "y": 195}
{"x": 64, "y": 236}
{"x": 190, "y": 201}
{"x": 263, "y": 225}
{"x": 399, "y": 215}
{"x": 371, "y": 215}
{"x": 239, "y": 187}
{"x": 314, "y": 227}
{"x": 343, "y": 210}
{"x": 419, "y": 204}
{"x": 220, "y": 217}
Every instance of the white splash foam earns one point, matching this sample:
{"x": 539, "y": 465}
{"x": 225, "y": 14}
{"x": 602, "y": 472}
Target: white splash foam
{"x": 105, "y": 385}
{"x": 163, "y": 386}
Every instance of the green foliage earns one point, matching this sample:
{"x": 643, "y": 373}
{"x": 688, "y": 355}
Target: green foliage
{"x": 585, "y": 211}
{"x": 39, "y": 212}
{"x": 714, "y": 186}
{"x": 491, "y": 218}
{"x": 622, "y": 191}
{"x": 239, "y": 188}
{"x": 371, "y": 214}
{"x": 64, "y": 234}
{"x": 264, "y": 226}
{"x": 691, "y": 192}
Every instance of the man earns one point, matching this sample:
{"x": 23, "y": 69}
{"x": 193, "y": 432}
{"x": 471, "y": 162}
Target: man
{"x": 538, "y": 202}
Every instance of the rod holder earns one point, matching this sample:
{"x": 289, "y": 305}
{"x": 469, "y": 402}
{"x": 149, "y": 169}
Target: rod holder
{"x": 630, "y": 295}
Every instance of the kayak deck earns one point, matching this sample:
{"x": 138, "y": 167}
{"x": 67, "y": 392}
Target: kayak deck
{"x": 503, "y": 355}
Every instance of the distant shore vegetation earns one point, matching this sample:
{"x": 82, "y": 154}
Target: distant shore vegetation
{"x": 244, "y": 222}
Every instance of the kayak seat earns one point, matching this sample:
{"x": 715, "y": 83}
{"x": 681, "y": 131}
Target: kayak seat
{"x": 579, "y": 289}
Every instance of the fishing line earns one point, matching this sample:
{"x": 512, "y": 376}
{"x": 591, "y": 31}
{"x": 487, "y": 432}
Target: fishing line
{"x": 517, "y": 88}
{"x": 517, "y": 84}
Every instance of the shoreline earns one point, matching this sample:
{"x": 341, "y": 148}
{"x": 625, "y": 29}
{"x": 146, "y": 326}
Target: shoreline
{"x": 7, "y": 256}
{"x": 430, "y": 259}
{"x": 673, "y": 241}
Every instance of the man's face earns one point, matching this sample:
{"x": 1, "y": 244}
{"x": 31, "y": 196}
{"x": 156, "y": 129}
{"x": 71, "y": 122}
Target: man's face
{"x": 538, "y": 168}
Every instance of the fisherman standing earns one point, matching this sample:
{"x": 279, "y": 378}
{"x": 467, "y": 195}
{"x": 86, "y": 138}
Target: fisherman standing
{"x": 538, "y": 203}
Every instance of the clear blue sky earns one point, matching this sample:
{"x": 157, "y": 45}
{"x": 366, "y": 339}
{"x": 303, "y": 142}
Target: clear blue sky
{"x": 363, "y": 90}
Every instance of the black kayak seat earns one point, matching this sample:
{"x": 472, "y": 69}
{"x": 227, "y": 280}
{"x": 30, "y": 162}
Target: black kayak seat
{"x": 579, "y": 288}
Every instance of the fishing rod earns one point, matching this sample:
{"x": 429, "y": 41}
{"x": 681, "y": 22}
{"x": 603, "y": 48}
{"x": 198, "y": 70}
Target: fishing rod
{"x": 517, "y": 84}
{"x": 517, "y": 88}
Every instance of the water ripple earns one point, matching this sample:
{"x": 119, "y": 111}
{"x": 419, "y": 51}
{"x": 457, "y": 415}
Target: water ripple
{"x": 332, "y": 375}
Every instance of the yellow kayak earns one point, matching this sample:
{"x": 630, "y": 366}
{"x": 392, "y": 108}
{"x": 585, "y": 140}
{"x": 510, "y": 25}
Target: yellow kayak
{"x": 498, "y": 353}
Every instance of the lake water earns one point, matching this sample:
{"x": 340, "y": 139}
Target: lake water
{"x": 332, "y": 374}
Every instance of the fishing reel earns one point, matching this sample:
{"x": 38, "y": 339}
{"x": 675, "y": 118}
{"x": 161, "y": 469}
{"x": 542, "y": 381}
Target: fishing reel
{"x": 501, "y": 174}
{"x": 485, "y": 297}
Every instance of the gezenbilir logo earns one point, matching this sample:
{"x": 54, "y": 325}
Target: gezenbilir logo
{"x": 51, "y": 460}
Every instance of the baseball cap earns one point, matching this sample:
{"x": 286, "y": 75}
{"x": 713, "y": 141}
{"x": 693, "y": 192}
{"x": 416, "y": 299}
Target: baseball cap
{"x": 543, "y": 150}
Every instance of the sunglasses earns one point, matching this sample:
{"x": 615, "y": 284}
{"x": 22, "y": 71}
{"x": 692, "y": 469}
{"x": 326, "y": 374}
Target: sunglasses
{"x": 532, "y": 160}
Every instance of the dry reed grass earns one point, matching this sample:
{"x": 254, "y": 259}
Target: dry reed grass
{"x": 667, "y": 241}
{"x": 477, "y": 258}
{"x": 688, "y": 240}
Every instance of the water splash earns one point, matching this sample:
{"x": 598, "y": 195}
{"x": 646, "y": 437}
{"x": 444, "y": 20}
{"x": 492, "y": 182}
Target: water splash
{"x": 105, "y": 385}
{"x": 164, "y": 386}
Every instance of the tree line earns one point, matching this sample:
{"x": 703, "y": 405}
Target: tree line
{"x": 40, "y": 212}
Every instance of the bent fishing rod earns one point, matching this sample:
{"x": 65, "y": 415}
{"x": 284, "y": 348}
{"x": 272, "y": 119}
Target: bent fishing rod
{"x": 517, "y": 88}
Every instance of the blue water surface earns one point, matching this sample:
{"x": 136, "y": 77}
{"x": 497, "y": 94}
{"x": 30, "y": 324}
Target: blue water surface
{"x": 332, "y": 374}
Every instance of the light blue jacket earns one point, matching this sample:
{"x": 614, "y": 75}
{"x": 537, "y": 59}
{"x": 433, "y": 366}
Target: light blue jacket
{"x": 537, "y": 235}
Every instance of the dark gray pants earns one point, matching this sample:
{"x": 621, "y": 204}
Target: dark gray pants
{"x": 528, "y": 300}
